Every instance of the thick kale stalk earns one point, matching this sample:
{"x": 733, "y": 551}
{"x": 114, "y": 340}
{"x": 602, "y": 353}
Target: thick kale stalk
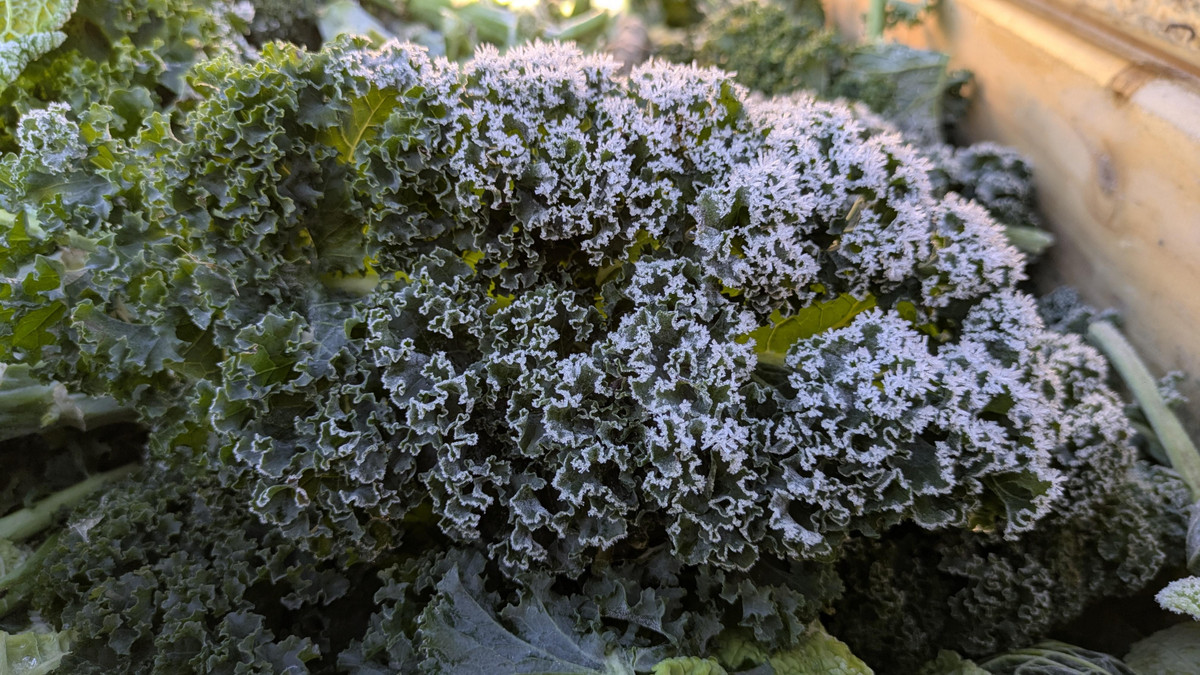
{"x": 1184, "y": 456}
{"x": 28, "y": 406}
{"x": 29, "y": 521}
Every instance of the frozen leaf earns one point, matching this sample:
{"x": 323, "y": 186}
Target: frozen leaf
{"x": 1181, "y": 596}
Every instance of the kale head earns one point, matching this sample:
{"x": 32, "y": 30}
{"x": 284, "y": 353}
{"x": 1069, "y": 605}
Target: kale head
{"x": 570, "y": 321}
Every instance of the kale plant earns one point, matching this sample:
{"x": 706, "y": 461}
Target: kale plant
{"x": 554, "y": 335}
{"x": 644, "y": 361}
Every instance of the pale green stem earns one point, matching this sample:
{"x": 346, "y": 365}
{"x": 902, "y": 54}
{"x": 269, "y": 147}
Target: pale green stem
{"x": 876, "y": 16}
{"x": 28, "y": 406}
{"x": 13, "y": 590}
{"x": 1171, "y": 434}
{"x": 29, "y": 521}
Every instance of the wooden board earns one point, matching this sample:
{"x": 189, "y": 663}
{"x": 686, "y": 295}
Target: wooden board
{"x": 1114, "y": 135}
{"x": 1169, "y": 27}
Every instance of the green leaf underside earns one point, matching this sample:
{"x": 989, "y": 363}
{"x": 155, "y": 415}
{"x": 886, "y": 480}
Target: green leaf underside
{"x": 31, "y": 653}
{"x": 772, "y": 342}
{"x": 33, "y": 330}
{"x": 468, "y": 639}
{"x": 367, "y": 115}
{"x": 1173, "y": 650}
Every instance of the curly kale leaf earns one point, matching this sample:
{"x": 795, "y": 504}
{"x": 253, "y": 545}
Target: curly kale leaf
{"x": 30, "y": 29}
{"x": 1001, "y": 593}
{"x": 772, "y": 48}
{"x": 164, "y": 575}
{"x": 289, "y": 20}
{"x": 131, "y": 55}
{"x": 999, "y": 179}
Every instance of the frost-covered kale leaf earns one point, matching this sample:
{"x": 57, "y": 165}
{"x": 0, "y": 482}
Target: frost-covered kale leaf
{"x": 1116, "y": 524}
{"x": 30, "y": 29}
{"x": 130, "y": 55}
{"x": 1182, "y": 596}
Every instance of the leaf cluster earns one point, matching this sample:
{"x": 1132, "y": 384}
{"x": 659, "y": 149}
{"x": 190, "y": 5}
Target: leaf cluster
{"x": 647, "y": 365}
{"x": 177, "y": 576}
{"x": 778, "y": 47}
{"x": 129, "y": 56}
